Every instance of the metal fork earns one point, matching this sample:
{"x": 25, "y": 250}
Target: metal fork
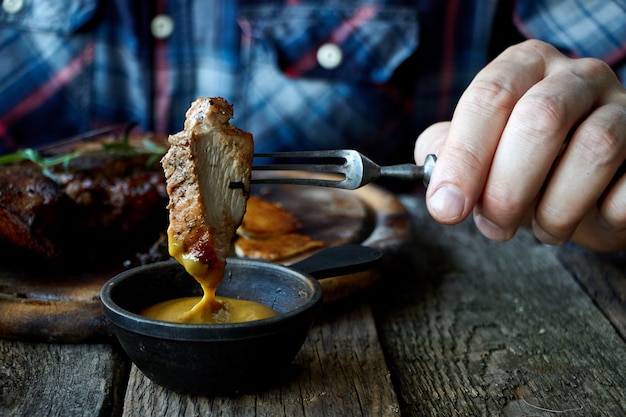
{"x": 355, "y": 169}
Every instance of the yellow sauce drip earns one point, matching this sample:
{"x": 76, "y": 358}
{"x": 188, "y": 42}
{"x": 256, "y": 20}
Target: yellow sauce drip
{"x": 207, "y": 309}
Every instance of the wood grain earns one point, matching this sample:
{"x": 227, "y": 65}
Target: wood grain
{"x": 602, "y": 276}
{"x": 340, "y": 371}
{"x": 480, "y": 328}
{"x": 65, "y": 380}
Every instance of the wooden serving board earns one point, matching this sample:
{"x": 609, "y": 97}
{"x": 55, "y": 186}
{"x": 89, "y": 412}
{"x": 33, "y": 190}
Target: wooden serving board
{"x": 60, "y": 303}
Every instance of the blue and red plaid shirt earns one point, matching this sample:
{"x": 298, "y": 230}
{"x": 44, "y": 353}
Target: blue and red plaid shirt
{"x": 301, "y": 74}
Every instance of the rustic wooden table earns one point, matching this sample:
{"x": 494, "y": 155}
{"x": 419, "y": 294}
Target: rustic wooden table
{"x": 459, "y": 327}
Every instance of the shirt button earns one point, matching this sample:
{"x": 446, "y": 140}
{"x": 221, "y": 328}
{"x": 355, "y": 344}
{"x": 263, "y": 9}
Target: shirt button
{"x": 12, "y": 6}
{"x": 162, "y": 26}
{"x": 329, "y": 56}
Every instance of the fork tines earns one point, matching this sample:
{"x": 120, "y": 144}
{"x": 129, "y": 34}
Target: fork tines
{"x": 312, "y": 161}
{"x": 309, "y": 162}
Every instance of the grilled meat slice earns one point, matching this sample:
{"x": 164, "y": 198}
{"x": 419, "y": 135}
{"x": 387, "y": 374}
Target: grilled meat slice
{"x": 205, "y": 211}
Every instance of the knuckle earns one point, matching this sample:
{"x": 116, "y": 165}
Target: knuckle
{"x": 600, "y": 145}
{"x": 593, "y": 68}
{"x": 491, "y": 95}
{"x": 542, "y": 114}
{"x": 466, "y": 160}
{"x": 530, "y": 50}
{"x": 553, "y": 220}
{"x": 599, "y": 76}
{"x": 505, "y": 205}
{"x": 503, "y": 200}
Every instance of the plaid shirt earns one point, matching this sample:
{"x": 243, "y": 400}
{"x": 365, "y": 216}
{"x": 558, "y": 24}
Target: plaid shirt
{"x": 301, "y": 74}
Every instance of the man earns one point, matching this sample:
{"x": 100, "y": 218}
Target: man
{"x": 358, "y": 74}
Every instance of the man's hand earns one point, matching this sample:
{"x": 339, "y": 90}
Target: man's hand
{"x": 539, "y": 139}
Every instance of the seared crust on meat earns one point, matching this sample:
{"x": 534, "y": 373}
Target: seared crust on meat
{"x": 205, "y": 210}
{"x": 29, "y": 204}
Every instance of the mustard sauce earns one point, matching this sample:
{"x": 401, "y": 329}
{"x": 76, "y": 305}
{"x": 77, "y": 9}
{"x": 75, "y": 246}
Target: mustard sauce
{"x": 191, "y": 310}
{"x": 208, "y": 309}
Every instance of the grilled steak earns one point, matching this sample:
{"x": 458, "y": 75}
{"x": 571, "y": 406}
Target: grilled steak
{"x": 86, "y": 205}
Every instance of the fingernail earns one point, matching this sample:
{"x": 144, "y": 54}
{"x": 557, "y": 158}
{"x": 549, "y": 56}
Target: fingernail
{"x": 447, "y": 203}
{"x": 489, "y": 229}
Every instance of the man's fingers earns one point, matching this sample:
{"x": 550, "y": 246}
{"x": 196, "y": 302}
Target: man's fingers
{"x": 582, "y": 175}
{"x": 532, "y": 141}
{"x": 479, "y": 120}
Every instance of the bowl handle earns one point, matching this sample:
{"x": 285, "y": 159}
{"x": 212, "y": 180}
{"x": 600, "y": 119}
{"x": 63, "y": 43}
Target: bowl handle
{"x": 338, "y": 260}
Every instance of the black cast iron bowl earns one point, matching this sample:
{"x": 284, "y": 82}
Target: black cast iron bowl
{"x": 223, "y": 359}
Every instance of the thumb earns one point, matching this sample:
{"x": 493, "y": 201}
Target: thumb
{"x": 430, "y": 140}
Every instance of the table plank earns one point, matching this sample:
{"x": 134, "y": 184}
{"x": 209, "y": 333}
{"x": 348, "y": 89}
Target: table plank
{"x": 340, "y": 370}
{"x": 603, "y": 277}
{"x": 41, "y": 379}
{"x": 473, "y": 327}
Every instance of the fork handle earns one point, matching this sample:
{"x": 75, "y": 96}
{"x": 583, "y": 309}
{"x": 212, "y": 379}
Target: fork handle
{"x": 411, "y": 172}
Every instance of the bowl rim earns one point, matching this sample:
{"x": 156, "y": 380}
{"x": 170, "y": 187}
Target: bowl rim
{"x": 135, "y": 323}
